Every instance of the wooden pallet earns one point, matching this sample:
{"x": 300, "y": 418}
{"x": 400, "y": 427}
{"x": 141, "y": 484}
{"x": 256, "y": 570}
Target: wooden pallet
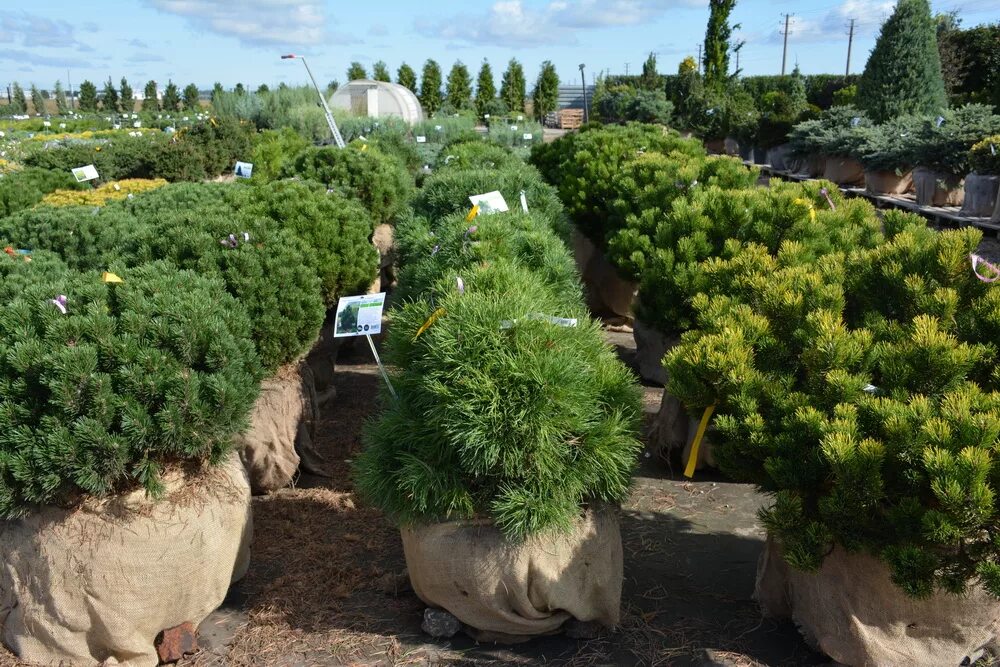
{"x": 570, "y": 119}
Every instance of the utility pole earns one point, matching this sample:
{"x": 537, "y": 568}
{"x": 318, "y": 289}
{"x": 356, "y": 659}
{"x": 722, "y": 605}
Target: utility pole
{"x": 784, "y": 50}
{"x": 850, "y": 41}
{"x": 699, "y": 57}
{"x": 69, "y": 84}
{"x": 586, "y": 106}
{"x": 626, "y": 69}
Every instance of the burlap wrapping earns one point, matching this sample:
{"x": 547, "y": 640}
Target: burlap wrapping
{"x": 936, "y": 189}
{"x": 518, "y": 590}
{"x": 650, "y": 347}
{"x": 980, "y": 195}
{"x": 281, "y": 428}
{"x": 607, "y": 292}
{"x": 851, "y": 611}
{"x": 843, "y": 171}
{"x": 888, "y": 182}
{"x": 670, "y": 428}
{"x": 97, "y": 584}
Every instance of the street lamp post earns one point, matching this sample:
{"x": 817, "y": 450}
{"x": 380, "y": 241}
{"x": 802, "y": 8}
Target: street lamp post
{"x": 337, "y": 138}
{"x": 586, "y": 109}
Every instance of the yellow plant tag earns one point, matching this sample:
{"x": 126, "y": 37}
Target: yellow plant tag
{"x": 109, "y": 277}
{"x": 364, "y": 147}
{"x": 212, "y": 121}
{"x": 693, "y": 456}
{"x": 807, "y": 204}
{"x": 472, "y": 213}
{"x": 430, "y": 320}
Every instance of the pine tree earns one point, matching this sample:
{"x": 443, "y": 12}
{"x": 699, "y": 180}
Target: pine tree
{"x": 263, "y": 88}
{"x": 406, "y": 77}
{"x": 650, "y": 79}
{"x": 37, "y": 101}
{"x": 149, "y": 97}
{"x": 18, "y": 103}
{"x": 459, "y": 87}
{"x": 380, "y": 72}
{"x": 61, "y": 105}
{"x": 109, "y": 97}
{"x": 127, "y": 97}
{"x": 217, "y": 90}
{"x": 240, "y": 89}
{"x": 546, "y": 94}
{"x": 486, "y": 90}
{"x": 717, "y": 41}
{"x": 903, "y": 73}
{"x": 88, "y": 96}
{"x": 430, "y": 87}
{"x": 171, "y": 97}
{"x": 356, "y": 71}
{"x": 191, "y": 97}
{"x": 513, "y": 86}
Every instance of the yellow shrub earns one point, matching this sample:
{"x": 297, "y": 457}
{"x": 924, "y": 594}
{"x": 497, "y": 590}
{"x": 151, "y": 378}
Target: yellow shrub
{"x": 102, "y": 195}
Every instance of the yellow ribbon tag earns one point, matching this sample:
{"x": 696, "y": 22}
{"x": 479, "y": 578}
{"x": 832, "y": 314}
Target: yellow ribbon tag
{"x": 472, "y": 213}
{"x": 807, "y": 204}
{"x": 109, "y": 277}
{"x": 364, "y": 147}
{"x": 212, "y": 121}
{"x": 430, "y": 320}
{"x": 693, "y": 456}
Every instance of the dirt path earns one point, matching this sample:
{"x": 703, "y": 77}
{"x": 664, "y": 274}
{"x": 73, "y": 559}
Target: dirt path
{"x": 326, "y": 583}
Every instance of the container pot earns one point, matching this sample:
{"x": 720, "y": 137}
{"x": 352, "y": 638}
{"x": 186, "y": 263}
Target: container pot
{"x": 282, "y": 427}
{"x": 747, "y": 153}
{"x": 843, "y": 171}
{"x": 760, "y": 155}
{"x": 885, "y": 182}
{"x": 980, "y": 195}
{"x": 937, "y": 189}
{"x": 731, "y": 146}
{"x": 507, "y": 592}
{"x": 650, "y": 347}
{"x": 850, "y": 610}
{"x": 607, "y": 292}
{"x": 715, "y": 146}
{"x": 779, "y": 156}
{"x": 95, "y": 584}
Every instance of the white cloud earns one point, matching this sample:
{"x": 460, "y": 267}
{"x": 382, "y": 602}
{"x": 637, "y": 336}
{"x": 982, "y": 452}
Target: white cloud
{"x": 512, "y": 23}
{"x": 34, "y": 31}
{"x": 868, "y": 18}
{"x": 258, "y": 22}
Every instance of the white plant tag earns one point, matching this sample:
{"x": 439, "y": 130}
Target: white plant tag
{"x": 243, "y": 169}
{"x": 526, "y": 136}
{"x": 421, "y": 139}
{"x": 489, "y": 203}
{"x": 359, "y": 315}
{"x": 85, "y": 173}
{"x": 524, "y": 201}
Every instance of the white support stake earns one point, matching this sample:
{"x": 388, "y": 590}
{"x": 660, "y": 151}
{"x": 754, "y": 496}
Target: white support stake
{"x": 381, "y": 368}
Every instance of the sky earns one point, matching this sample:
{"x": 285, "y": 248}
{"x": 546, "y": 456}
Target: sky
{"x": 231, "y": 41}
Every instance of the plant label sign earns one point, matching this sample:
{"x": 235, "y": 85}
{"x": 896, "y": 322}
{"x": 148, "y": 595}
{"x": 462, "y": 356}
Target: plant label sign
{"x": 527, "y": 136}
{"x": 421, "y": 139}
{"x": 359, "y": 315}
{"x": 85, "y": 173}
{"x": 243, "y": 169}
{"x": 490, "y": 203}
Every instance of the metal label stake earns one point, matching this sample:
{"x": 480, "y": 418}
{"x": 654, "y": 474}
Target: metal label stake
{"x": 378, "y": 360}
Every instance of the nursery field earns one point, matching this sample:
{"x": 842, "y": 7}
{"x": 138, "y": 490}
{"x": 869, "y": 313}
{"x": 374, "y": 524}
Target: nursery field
{"x": 327, "y": 581}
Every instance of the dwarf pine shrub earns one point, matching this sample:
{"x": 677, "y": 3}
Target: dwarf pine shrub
{"x": 377, "y": 180}
{"x": 154, "y": 371}
{"x": 860, "y": 392}
{"x": 475, "y": 155}
{"x": 24, "y": 188}
{"x": 984, "y": 156}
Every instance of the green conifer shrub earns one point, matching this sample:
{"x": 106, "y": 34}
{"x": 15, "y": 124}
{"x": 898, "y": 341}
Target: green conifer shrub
{"x": 837, "y": 132}
{"x": 860, "y": 392}
{"x": 272, "y": 149}
{"x": 984, "y": 156}
{"x": 475, "y": 155}
{"x": 155, "y": 371}
{"x": 943, "y": 143}
{"x": 903, "y": 72}
{"x": 448, "y": 192}
{"x": 377, "y": 180}
{"x": 24, "y": 188}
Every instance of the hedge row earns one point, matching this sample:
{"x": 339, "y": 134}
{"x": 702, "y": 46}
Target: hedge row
{"x": 501, "y": 412}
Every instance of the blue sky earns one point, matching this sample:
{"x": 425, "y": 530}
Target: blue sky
{"x": 230, "y": 41}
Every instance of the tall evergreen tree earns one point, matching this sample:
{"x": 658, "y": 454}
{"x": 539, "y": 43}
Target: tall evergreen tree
{"x": 513, "y": 86}
{"x": 356, "y": 71}
{"x": 430, "y": 87}
{"x": 545, "y": 97}
{"x": 150, "y": 101}
{"x": 217, "y": 90}
{"x": 18, "y": 103}
{"x": 240, "y": 89}
{"x": 903, "y": 73}
{"x": 61, "y": 106}
{"x": 459, "y": 86}
{"x": 650, "y": 79}
{"x": 171, "y": 97}
{"x": 380, "y": 71}
{"x": 717, "y": 41}
{"x": 127, "y": 96}
{"x": 191, "y": 97}
{"x": 37, "y": 101}
{"x": 109, "y": 97}
{"x": 406, "y": 77}
{"x": 88, "y": 96}
{"x": 263, "y": 88}
{"x": 486, "y": 89}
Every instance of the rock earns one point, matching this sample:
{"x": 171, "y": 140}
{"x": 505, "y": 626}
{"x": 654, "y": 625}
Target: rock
{"x": 175, "y": 643}
{"x": 439, "y": 623}
{"x": 582, "y": 629}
